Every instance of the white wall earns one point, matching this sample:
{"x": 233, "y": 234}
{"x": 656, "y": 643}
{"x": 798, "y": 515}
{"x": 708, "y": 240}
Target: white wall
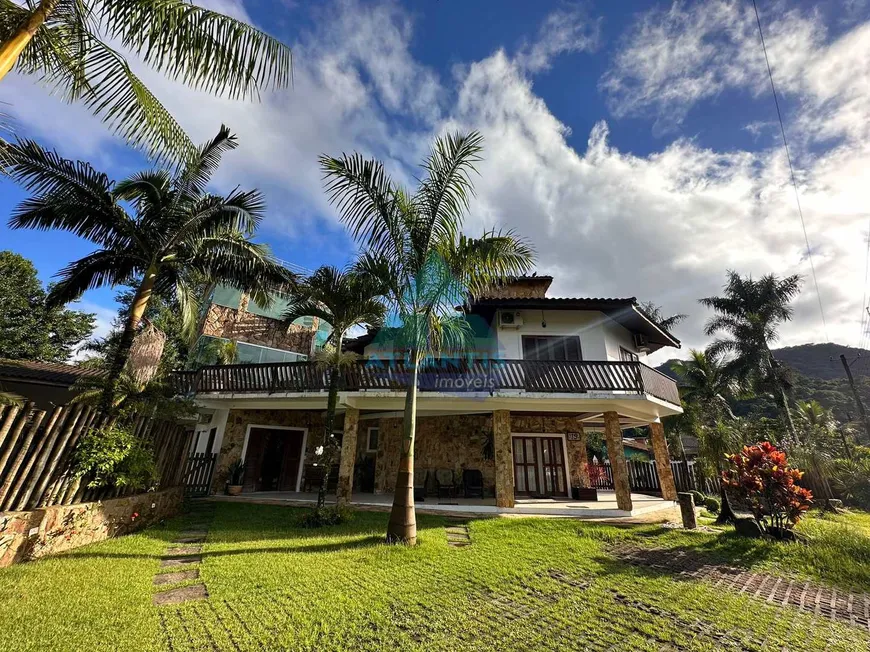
{"x": 600, "y": 336}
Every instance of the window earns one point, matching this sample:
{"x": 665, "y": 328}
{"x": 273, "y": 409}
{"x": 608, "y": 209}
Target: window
{"x": 372, "y": 441}
{"x": 627, "y": 356}
{"x": 548, "y": 347}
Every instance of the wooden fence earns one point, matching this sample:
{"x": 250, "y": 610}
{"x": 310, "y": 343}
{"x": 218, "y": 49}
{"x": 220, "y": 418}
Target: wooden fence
{"x": 644, "y": 478}
{"x": 37, "y": 454}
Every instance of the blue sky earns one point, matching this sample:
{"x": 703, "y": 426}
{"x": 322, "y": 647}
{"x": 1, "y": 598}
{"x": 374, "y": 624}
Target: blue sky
{"x": 634, "y": 144}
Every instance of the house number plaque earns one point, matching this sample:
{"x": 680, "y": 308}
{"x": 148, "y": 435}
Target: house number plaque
{"x": 573, "y": 436}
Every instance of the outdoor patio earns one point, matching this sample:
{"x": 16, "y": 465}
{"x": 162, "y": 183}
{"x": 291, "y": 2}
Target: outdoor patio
{"x": 604, "y": 507}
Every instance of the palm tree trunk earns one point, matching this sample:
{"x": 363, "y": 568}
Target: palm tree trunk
{"x": 119, "y": 360}
{"x": 402, "y": 527}
{"x": 12, "y": 48}
{"x": 786, "y": 411}
{"x": 329, "y": 426}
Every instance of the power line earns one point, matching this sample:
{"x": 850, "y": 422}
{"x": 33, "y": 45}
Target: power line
{"x": 791, "y": 170}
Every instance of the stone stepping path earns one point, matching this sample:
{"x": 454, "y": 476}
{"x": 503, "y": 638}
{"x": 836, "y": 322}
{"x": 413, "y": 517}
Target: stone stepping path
{"x": 184, "y": 555}
{"x": 457, "y": 534}
{"x": 852, "y": 608}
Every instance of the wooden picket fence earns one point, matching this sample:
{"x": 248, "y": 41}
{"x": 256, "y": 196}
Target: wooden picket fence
{"x": 37, "y": 453}
{"x": 644, "y": 478}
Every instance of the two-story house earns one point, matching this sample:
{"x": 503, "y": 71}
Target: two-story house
{"x": 543, "y": 373}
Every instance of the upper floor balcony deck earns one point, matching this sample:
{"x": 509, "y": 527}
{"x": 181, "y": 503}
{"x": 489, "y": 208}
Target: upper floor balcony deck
{"x": 485, "y": 376}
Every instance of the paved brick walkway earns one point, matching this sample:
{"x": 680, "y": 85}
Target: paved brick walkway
{"x": 457, "y": 534}
{"x": 828, "y": 602}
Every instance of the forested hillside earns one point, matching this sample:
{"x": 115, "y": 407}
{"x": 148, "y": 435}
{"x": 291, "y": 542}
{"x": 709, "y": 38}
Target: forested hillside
{"x": 819, "y": 375}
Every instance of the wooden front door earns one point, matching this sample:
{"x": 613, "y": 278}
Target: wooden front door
{"x": 272, "y": 459}
{"x": 539, "y": 466}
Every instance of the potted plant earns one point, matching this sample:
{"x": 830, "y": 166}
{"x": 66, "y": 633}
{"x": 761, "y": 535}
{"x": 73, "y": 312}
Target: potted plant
{"x": 595, "y": 473}
{"x": 234, "y": 481}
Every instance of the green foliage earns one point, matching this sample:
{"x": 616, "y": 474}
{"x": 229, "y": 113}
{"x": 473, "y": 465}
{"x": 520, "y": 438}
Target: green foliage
{"x": 712, "y": 504}
{"x": 114, "y": 457}
{"x": 29, "y": 328}
{"x": 325, "y": 516}
{"x": 196, "y": 46}
{"x": 851, "y": 477}
{"x": 698, "y": 497}
{"x": 236, "y": 473}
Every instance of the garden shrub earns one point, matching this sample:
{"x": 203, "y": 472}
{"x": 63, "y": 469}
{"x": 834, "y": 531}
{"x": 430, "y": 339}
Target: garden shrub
{"x": 332, "y": 515}
{"x": 712, "y": 504}
{"x": 700, "y": 498}
{"x": 760, "y": 475}
{"x": 114, "y": 457}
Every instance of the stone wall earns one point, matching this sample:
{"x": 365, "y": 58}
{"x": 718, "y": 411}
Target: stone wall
{"x": 527, "y": 287}
{"x": 449, "y": 442}
{"x": 577, "y": 456}
{"x": 238, "y": 422}
{"x": 243, "y": 326}
{"x": 25, "y": 536}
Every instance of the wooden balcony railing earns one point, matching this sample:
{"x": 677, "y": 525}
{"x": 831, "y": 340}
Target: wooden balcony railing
{"x": 452, "y": 376}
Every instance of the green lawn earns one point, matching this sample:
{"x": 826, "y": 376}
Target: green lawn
{"x": 522, "y": 584}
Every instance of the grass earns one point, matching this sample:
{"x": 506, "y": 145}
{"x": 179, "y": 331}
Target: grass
{"x": 522, "y": 584}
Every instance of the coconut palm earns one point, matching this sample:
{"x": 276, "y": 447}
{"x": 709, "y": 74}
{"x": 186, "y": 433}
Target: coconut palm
{"x": 749, "y": 314}
{"x": 412, "y": 240}
{"x": 343, "y": 299}
{"x": 656, "y": 313}
{"x": 176, "y": 234}
{"x": 74, "y": 46}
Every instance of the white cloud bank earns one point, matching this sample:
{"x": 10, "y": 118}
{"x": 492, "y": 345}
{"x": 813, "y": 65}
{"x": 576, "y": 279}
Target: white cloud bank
{"x": 662, "y": 227}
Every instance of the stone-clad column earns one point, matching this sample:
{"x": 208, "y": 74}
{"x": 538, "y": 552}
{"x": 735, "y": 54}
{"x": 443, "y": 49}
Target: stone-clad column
{"x": 348, "y": 456}
{"x": 616, "y": 453}
{"x": 504, "y": 458}
{"x": 578, "y": 457}
{"x": 663, "y": 461}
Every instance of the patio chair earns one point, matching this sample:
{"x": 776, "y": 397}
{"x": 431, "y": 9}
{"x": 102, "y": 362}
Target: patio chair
{"x": 444, "y": 483}
{"x": 420, "y": 478}
{"x": 312, "y": 476}
{"x": 472, "y": 483}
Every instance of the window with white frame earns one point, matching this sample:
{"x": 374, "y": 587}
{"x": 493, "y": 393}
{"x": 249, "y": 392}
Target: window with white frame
{"x": 372, "y": 440}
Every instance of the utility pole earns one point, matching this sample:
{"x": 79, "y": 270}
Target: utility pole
{"x": 855, "y": 394}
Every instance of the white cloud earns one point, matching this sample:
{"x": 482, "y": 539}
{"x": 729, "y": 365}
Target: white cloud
{"x": 104, "y": 317}
{"x": 562, "y": 31}
{"x": 605, "y": 222}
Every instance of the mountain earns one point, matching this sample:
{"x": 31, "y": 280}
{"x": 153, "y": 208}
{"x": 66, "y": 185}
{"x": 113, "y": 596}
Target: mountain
{"x": 818, "y": 374}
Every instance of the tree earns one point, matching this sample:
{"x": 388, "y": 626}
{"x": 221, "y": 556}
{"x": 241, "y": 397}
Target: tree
{"x": 655, "y": 313}
{"x": 177, "y": 233}
{"x": 707, "y": 388}
{"x": 343, "y": 299}
{"x": 30, "y": 329}
{"x": 412, "y": 240}
{"x": 66, "y": 44}
{"x": 816, "y": 444}
{"x": 749, "y": 314}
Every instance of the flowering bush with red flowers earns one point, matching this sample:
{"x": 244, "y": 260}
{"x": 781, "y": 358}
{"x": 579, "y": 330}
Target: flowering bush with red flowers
{"x": 760, "y": 476}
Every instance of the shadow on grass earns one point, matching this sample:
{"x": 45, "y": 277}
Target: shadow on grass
{"x": 366, "y": 542}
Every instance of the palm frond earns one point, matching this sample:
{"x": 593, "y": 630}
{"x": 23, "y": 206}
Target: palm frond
{"x": 202, "y": 48}
{"x": 103, "y": 267}
{"x": 194, "y": 174}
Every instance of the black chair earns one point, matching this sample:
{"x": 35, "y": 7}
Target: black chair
{"x": 472, "y": 483}
{"x": 444, "y": 482}
{"x": 420, "y": 478}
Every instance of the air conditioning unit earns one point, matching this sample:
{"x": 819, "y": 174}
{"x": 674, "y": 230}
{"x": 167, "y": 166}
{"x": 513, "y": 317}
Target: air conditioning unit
{"x": 510, "y": 320}
{"x": 641, "y": 343}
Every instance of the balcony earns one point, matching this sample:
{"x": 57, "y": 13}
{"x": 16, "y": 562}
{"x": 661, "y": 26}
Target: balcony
{"x": 448, "y": 377}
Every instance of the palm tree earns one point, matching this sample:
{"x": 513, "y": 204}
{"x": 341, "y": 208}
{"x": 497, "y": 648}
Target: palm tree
{"x": 703, "y": 382}
{"x": 66, "y": 44}
{"x": 707, "y": 388}
{"x": 655, "y": 312}
{"x": 413, "y": 242}
{"x": 749, "y": 314}
{"x": 177, "y": 234}
{"x": 817, "y": 432}
{"x": 343, "y": 299}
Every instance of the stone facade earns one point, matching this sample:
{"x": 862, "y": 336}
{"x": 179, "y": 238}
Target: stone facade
{"x": 578, "y": 457}
{"x": 616, "y": 453}
{"x": 243, "y": 326}
{"x": 663, "y": 461}
{"x": 64, "y": 527}
{"x": 238, "y": 422}
{"x": 527, "y": 287}
{"x": 349, "y": 448}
